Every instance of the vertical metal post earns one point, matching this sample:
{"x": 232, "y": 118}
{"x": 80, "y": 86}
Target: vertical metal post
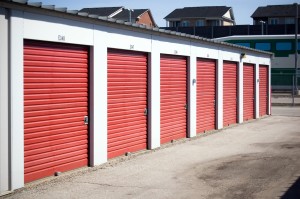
{"x": 194, "y": 30}
{"x": 129, "y": 15}
{"x": 293, "y": 90}
{"x": 248, "y": 29}
{"x": 262, "y": 26}
{"x": 296, "y": 47}
{"x": 130, "y": 10}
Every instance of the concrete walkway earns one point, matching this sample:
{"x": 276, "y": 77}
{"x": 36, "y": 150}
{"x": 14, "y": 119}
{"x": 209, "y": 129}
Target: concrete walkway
{"x": 258, "y": 159}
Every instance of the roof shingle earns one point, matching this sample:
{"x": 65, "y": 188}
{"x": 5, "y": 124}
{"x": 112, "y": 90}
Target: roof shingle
{"x": 134, "y": 14}
{"x": 102, "y": 11}
{"x": 199, "y": 12}
{"x": 276, "y": 11}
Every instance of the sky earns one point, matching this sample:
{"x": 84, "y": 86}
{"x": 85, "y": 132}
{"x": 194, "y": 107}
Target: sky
{"x": 242, "y": 9}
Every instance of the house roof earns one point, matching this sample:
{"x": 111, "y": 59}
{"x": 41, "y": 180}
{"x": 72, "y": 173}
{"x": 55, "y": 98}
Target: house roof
{"x": 134, "y": 13}
{"x": 118, "y": 13}
{"x": 276, "y": 11}
{"x": 52, "y": 10}
{"x": 200, "y": 12}
{"x": 102, "y": 11}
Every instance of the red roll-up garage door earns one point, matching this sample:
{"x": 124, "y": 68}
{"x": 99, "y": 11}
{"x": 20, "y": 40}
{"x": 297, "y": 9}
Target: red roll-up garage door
{"x": 173, "y": 90}
{"x": 248, "y": 92}
{"x": 55, "y": 104}
{"x": 263, "y": 90}
{"x": 127, "y": 102}
{"x": 206, "y": 95}
{"x": 229, "y": 93}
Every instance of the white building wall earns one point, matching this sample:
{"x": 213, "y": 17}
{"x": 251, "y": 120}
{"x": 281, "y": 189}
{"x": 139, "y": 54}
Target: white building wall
{"x": 154, "y": 101}
{"x": 172, "y": 46}
{"x": 192, "y": 98}
{"x": 219, "y": 100}
{"x": 126, "y": 40}
{"x": 4, "y": 103}
{"x": 263, "y": 60}
{"x": 240, "y": 91}
{"x": 55, "y": 29}
{"x": 16, "y": 99}
{"x": 98, "y": 98}
{"x": 256, "y": 88}
{"x": 100, "y": 38}
{"x": 206, "y": 51}
{"x": 163, "y": 45}
{"x": 269, "y": 91}
{"x": 231, "y": 55}
{"x": 252, "y": 59}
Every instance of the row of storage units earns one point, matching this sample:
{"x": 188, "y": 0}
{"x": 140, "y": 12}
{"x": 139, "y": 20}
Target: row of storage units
{"x": 83, "y": 101}
{"x": 56, "y": 100}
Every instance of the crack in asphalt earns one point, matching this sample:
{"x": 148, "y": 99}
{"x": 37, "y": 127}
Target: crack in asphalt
{"x": 139, "y": 187}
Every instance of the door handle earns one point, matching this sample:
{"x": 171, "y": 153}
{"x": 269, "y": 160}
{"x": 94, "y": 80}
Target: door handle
{"x": 86, "y": 120}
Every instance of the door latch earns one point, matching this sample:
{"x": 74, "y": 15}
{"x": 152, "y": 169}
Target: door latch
{"x": 185, "y": 106}
{"x": 86, "y": 120}
{"x": 145, "y": 111}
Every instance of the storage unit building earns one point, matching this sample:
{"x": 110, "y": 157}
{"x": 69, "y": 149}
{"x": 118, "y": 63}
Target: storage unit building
{"x": 230, "y": 93}
{"x": 127, "y": 102}
{"x": 173, "y": 98}
{"x": 55, "y": 104}
{"x": 249, "y": 92}
{"x": 77, "y": 89}
{"x": 263, "y": 90}
{"x": 206, "y": 95}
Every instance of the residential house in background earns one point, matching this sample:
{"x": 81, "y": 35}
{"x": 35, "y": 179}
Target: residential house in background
{"x": 201, "y": 16}
{"x": 103, "y": 11}
{"x": 275, "y": 14}
{"x": 139, "y": 16}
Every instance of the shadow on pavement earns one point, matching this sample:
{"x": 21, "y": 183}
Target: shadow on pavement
{"x": 293, "y": 192}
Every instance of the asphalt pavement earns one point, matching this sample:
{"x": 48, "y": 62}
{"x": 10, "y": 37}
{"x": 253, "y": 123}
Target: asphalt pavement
{"x": 256, "y": 159}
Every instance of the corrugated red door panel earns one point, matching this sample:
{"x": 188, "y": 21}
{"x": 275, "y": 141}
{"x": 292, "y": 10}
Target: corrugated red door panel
{"x": 229, "y": 93}
{"x": 248, "y": 91}
{"x": 206, "y": 95}
{"x": 55, "y": 103}
{"x": 127, "y": 100}
{"x": 173, "y": 91}
{"x": 263, "y": 90}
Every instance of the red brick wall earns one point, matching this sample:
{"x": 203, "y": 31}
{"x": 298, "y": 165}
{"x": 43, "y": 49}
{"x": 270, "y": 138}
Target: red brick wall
{"x": 146, "y": 20}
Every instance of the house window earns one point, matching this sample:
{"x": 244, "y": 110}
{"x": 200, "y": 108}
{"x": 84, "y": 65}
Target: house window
{"x": 200, "y": 23}
{"x": 289, "y": 20}
{"x": 243, "y": 44}
{"x": 283, "y": 46}
{"x": 215, "y": 23}
{"x": 263, "y": 46}
{"x": 174, "y": 23}
{"x": 185, "y": 23}
{"x": 273, "y": 21}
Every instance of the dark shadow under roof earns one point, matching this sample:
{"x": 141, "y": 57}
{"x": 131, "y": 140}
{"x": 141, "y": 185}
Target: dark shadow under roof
{"x": 276, "y": 11}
